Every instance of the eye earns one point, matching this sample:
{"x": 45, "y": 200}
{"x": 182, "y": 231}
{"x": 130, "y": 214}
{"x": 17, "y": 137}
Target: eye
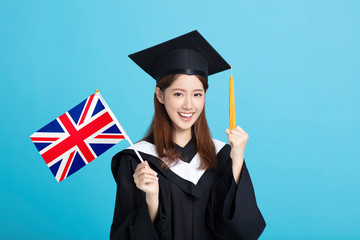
{"x": 198, "y": 94}
{"x": 178, "y": 94}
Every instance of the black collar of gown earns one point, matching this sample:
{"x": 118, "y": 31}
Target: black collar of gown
{"x": 188, "y": 152}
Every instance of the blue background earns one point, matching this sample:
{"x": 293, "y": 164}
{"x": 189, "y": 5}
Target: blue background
{"x": 296, "y": 71}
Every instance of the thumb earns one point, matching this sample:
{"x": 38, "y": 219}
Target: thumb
{"x": 227, "y": 131}
{"x": 146, "y": 164}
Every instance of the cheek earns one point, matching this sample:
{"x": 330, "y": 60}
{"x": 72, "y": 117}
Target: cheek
{"x": 171, "y": 104}
{"x": 200, "y": 103}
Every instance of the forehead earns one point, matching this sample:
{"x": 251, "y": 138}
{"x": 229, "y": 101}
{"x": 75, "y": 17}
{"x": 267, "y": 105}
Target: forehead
{"x": 187, "y": 82}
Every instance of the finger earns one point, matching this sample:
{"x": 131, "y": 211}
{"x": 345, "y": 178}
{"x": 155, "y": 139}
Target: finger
{"x": 145, "y": 185}
{"x": 143, "y": 182}
{"x": 238, "y": 138}
{"x": 235, "y": 132}
{"x": 146, "y": 176}
{"x": 140, "y": 182}
{"x": 235, "y": 136}
{"x": 142, "y": 171}
{"x": 148, "y": 187}
{"x": 238, "y": 132}
{"x": 144, "y": 165}
{"x": 139, "y": 172}
{"x": 140, "y": 166}
{"x": 238, "y": 128}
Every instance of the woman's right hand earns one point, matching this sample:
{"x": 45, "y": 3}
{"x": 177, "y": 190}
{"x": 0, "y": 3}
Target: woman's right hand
{"x": 146, "y": 180}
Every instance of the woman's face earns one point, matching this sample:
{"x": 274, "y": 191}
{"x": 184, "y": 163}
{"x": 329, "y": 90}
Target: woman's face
{"x": 184, "y": 101}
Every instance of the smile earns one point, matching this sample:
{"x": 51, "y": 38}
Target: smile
{"x": 186, "y": 115}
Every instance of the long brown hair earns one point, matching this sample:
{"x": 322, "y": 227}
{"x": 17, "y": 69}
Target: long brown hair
{"x": 161, "y": 131}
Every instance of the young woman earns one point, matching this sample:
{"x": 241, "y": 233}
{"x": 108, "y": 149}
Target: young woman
{"x": 190, "y": 186}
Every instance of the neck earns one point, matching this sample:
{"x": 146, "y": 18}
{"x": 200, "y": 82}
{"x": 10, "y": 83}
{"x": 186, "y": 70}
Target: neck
{"x": 181, "y": 138}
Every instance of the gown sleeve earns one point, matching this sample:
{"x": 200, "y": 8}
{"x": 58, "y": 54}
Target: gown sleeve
{"x": 131, "y": 216}
{"x": 233, "y": 211}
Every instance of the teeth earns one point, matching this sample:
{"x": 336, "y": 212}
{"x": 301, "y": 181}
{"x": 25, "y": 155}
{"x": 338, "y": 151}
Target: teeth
{"x": 187, "y": 115}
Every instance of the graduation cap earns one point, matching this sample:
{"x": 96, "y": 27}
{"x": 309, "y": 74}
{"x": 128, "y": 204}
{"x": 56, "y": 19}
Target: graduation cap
{"x": 188, "y": 54}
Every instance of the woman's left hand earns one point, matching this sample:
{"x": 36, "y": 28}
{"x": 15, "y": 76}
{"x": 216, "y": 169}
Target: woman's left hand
{"x": 237, "y": 139}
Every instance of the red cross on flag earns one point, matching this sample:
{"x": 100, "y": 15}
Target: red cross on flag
{"x": 78, "y": 136}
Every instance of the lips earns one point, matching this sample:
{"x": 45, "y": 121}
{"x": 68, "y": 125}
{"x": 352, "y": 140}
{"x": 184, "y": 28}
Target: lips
{"x": 185, "y": 115}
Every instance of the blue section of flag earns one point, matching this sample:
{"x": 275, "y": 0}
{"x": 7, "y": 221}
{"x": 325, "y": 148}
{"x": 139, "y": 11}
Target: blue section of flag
{"x": 112, "y": 129}
{"x": 40, "y": 146}
{"x": 77, "y": 163}
{"x": 53, "y": 126}
{"x": 76, "y": 111}
{"x": 99, "y": 106}
{"x": 54, "y": 168}
{"x": 100, "y": 148}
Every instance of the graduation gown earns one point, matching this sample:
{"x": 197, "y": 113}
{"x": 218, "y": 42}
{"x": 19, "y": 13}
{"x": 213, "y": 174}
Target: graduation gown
{"x": 193, "y": 204}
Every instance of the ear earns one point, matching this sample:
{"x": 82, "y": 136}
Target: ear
{"x": 159, "y": 95}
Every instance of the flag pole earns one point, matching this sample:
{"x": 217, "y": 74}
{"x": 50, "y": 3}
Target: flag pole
{"x": 119, "y": 125}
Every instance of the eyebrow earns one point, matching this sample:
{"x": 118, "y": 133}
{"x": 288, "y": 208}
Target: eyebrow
{"x": 180, "y": 89}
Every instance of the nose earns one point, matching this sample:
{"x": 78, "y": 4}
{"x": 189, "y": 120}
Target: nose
{"x": 187, "y": 104}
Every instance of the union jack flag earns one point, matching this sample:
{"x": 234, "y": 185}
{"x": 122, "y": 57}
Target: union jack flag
{"x": 78, "y": 136}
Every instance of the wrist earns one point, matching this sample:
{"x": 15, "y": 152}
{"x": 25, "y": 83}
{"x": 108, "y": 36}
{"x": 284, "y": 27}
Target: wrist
{"x": 152, "y": 198}
{"x": 237, "y": 163}
{"x": 237, "y": 157}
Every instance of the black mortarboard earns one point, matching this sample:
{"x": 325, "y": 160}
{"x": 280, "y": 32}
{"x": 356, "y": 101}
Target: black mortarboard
{"x": 189, "y": 54}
